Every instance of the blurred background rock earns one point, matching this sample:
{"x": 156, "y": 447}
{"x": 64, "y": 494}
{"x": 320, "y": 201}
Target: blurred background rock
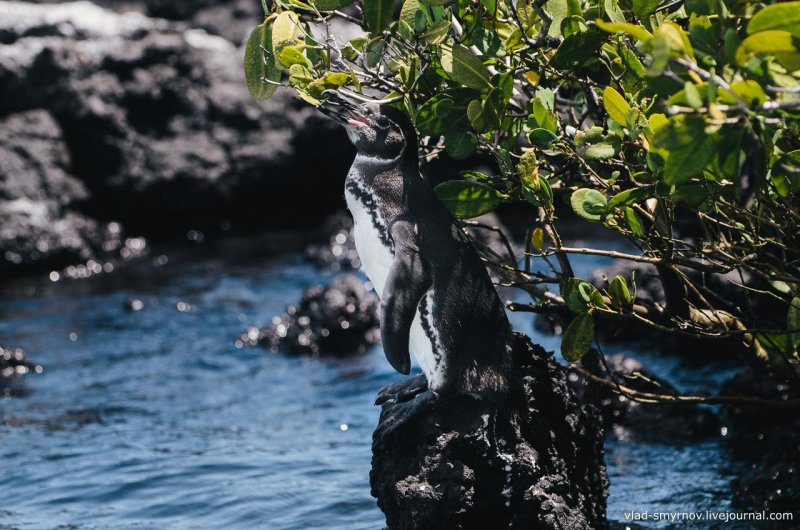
{"x": 122, "y": 119}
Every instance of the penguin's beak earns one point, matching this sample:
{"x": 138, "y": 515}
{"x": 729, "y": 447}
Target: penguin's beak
{"x": 343, "y": 110}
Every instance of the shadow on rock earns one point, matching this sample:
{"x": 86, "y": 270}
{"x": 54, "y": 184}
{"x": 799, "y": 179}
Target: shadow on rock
{"x": 765, "y": 445}
{"x": 535, "y": 462}
{"x": 625, "y": 418}
{"x": 340, "y": 318}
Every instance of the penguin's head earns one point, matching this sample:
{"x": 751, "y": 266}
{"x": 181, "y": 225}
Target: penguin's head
{"x": 379, "y": 131}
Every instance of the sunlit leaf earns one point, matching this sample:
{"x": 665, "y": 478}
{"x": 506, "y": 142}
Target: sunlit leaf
{"x": 589, "y": 204}
{"x": 638, "y": 32}
{"x": 464, "y": 67}
{"x": 784, "y": 16}
{"x": 615, "y": 105}
{"x": 780, "y": 44}
{"x": 259, "y": 64}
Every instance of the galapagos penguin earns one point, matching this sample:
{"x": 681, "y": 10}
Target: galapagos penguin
{"x": 437, "y": 300}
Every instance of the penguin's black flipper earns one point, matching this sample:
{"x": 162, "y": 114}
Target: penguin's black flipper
{"x": 406, "y": 284}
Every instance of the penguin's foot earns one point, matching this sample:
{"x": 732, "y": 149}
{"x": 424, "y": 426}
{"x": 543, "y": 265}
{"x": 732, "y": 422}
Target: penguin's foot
{"x": 402, "y": 390}
{"x": 400, "y": 413}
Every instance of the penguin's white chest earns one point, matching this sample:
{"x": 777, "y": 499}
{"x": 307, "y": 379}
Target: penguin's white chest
{"x": 376, "y": 260}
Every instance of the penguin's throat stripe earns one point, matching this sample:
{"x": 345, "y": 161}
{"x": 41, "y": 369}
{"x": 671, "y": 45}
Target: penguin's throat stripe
{"x": 370, "y": 205}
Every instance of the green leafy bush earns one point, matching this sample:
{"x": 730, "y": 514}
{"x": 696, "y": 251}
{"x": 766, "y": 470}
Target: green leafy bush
{"x": 636, "y": 114}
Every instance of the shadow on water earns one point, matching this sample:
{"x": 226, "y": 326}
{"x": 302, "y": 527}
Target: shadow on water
{"x": 153, "y": 417}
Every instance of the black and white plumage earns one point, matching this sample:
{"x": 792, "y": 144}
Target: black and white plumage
{"x": 437, "y": 300}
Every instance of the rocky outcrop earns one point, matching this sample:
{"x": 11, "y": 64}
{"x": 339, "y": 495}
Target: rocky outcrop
{"x": 40, "y": 227}
{"x": 764, "y": 445}
{"x": 338, "y": 252}
{"x": 231, "y": 19}
{"x": 152, "y": 127}
{"x": 340, "y": 318}
{"x": 625, "y": 418}
{"x": 460, "y": 462}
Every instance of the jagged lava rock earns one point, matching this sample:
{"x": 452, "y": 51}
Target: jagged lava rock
{"x": 534, "y": 462}
{"x": 40, "y": 226}
{"x": 338, "y": 252}
{"x": 340, "y": 318}
{"x": 765, "y": 445}
{"x": 158, "y": 124}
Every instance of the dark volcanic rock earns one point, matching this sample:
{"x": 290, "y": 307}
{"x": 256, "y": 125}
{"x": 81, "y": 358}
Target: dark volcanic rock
{"x": 765, "y": 445}
{"x": 13, "y": 366}
{"x": 625, "y": 418}
{"x": 338, "y": 253}
{"x": 535, "y": 462}
{"x": 39, "y": 225}
{"x": 160, "y": 133}
{"x": 232, "y": 19}
{"x": 340, "y": 318}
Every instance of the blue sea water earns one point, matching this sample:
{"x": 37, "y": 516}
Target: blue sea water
{"x": 156, "y": 419}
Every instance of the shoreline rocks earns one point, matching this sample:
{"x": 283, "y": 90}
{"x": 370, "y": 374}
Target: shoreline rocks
{"x": 340, "y": 318}
{"x": 626, "y": 419}
{"x": 535, "y": 462}
{"x": 147, "y": 123}
{"x": 764, "y": 444}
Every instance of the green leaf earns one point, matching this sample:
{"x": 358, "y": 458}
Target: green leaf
{"x": 541, "y": 137}
{"x": 408, "y": 12}
{"x": 475, "y": 116}
{"x": 464, "y": 67}
{"x": 644, "y": 8}
{"x": 613, "y": 10}
{"x": 290, "y": 55}
{"x": 690, "y": 149}
{"x": 436, "y": 2}
{"x": 784, "y": 16}
{"x": 779, "y": 44}
{"x": 635, "y": 31}
{"x": 589, "y": 204}
{"x": 330, "y": 5}
{"x": 300, "y": 76}
{"x": 336, "y": 78}
{"x": 488, "y": 42}
{"x": 619, "y": 293}
{"x": 259, "y": 64}
{"x": 578, "y": 337}
{"x": 628, "y": 197}
{"x": 601, "y": 151}
{"x": 634, "y": 222}
{"x": 615, "y": 105}
{"x": 494, "y": 109}
{"x": 748, "y": 91}
{"x": 537, "y": 239}
{"x": 574, "y": 298}
{"x": 285, "y": 30}
{"x": 436, "y": 114}
{"x": 693, "y": 97}
{"x": 558, "y": 10}
{"x": 577, "y": 49}
{"x": 459, "y": 142}
{"x": 378, "y": 14}
{"x": 437, "y": 33}
{"x": 468, "y": 199}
